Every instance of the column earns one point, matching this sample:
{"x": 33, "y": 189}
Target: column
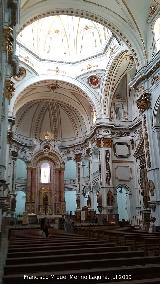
{"x": 61, "y": 191}
{"x": 34, "y": 193}
{"x": 56, "y": 190}
{"x": 28, "y": 191}
{"x": 105, "y": 145}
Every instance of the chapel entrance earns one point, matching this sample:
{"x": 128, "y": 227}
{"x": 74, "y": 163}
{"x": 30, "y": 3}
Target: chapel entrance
{"x": 45, "y": 187}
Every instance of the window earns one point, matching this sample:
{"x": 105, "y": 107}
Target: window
{"x": 157, "y": 34}
{"x": 45, "y": 173}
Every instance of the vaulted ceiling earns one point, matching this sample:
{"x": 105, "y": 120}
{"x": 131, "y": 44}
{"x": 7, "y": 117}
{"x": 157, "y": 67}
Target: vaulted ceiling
{"x": 114, "y": 29}
{"x": 55, "y": 108}
{"x": 126, "y": 18}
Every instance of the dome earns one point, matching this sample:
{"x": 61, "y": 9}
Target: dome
{"x": 64, "y": 38}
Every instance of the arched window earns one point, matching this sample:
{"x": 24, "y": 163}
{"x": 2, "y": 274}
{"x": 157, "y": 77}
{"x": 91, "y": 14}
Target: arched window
{"x": 45, "y": 172}
{"x": 157, "y": 34}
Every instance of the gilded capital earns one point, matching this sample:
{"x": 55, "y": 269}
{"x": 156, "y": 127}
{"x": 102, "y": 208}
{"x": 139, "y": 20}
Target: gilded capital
{"x": 9, "y": 89}
{"x": 8, "y": 39}
{"x": 21, "y": 74}
{"x": 143, "y": 103}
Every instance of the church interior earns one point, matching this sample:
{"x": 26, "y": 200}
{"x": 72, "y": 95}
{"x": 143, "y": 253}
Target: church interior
{"x": 80, "y": 141}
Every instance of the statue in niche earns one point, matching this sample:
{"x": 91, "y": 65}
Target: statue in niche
{"x": 108, "y": 171}
{"x": 151, "y": 187}
{"x": 99, "y": 198}
{"x": 13, "y": 203}
{"x": 118, "y": 111}
{"x": 110, "y": 198}
{"x": 78, "y": 201}
{"x": 89, "y": 201}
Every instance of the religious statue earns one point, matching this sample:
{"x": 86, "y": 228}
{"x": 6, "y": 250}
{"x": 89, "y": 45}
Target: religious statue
{"x": 99, "y": 199}
{"x": 108, "y": 171}
{"x": 89, "y": 201}
{"x": 13, "y": 203}
{"x": 110, "y": 198}
{"x": 45, "y": 202}
{"x": 78, "y": 202}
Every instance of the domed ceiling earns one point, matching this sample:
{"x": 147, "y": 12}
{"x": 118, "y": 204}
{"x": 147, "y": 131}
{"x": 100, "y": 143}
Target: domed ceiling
{"x": 55, "y": 109}
{"x": 64, "y": 38}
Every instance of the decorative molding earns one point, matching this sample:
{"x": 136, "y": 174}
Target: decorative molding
{"x": 156, "y": 106}
{"x": 146, "y": 72}
{"x": 125, "y": 148}
{"x": 94, "y": 81}
{"x": 123, "y": 173}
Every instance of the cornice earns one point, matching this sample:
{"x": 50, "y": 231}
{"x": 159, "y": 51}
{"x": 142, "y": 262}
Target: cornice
{"x": 145, "y": 72}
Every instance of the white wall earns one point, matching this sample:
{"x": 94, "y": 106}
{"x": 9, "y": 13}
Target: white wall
{"x": 20, "y": 202}
{"x": 70, "y": 199}
{"x": 21, "y": 169}
{"x": 70, "y": 170}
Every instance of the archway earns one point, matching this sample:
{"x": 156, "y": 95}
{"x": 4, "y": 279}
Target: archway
{"x": 45, "y": 184}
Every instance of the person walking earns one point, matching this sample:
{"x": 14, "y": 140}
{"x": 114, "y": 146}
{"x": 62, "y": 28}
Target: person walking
{"x": 46, "y": 227}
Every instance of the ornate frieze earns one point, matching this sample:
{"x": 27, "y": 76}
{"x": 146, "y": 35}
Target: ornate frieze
{"x": 143, "y": 103}
{"x": 9, "y": 89}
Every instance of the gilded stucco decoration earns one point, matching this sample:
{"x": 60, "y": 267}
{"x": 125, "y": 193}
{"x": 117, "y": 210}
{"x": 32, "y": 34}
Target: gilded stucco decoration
{"x": 8, "y": 42}
{"x": 21, "y": 74}
{"x": 9, "y": 89}
{"x": 144, "y": 102}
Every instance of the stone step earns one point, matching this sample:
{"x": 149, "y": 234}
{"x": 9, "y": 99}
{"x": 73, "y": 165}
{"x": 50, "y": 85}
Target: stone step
{"x": 80, "y": 264}
{"x": 73, "y": 256}
{"x": 138, "y": 274}
{"x": 58, "y": 242}
{"x": 49, "y": 251}
{"x": 55, "y": 246}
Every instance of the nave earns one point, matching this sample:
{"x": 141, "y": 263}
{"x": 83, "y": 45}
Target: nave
{"x": 78, "y": 258}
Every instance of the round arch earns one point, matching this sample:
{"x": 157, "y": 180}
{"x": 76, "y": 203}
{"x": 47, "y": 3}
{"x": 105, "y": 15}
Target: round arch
{"x": 99, "y": 13}
{"x": 91, "y": 97}
{"x": 53, "y": 156}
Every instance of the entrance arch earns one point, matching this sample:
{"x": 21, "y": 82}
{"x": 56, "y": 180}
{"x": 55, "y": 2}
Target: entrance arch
{"x": 45, "y": 185}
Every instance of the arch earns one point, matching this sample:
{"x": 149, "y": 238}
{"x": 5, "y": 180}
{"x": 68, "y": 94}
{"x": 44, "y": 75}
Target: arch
{"x": 104, "y": 15}
{"x": 91, "y": 97}
{"x": 53, "y": 156}
{"x": 121, "y": 63}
